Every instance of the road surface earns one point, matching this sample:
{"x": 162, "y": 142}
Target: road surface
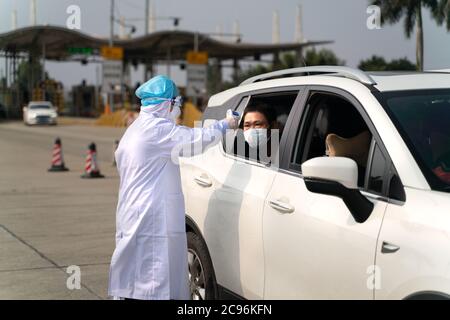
{"x": 50, "y": 221}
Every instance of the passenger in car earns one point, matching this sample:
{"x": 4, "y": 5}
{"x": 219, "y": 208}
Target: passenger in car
{"x": 356, "y": 148}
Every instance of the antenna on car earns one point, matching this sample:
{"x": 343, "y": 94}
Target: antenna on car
{"x": 304, "y": 62}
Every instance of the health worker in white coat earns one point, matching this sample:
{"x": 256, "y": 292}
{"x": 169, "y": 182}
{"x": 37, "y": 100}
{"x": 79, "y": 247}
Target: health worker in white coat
{"x": 150, "y": 259}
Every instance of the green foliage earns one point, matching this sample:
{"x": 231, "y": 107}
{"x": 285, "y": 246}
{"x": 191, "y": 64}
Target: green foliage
{"x": 29, "y": 72}
{"x": 401, "y": 64}
{"x": 322, "y": 58}
{"x": 377, "y": 63}
{"x": 393, "y": 11}
{"x": 411, "y": 10}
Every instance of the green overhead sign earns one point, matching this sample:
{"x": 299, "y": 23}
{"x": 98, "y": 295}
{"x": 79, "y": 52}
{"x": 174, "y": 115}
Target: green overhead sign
{"x": 83, "y": 51}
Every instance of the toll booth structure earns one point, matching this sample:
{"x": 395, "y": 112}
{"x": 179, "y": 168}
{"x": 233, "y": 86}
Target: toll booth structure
{"x": 192, "y": 50}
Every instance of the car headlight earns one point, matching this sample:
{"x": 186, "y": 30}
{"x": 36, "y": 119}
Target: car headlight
{"x": 32, "y": 115}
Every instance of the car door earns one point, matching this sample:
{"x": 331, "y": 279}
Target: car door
{"x": 413, "y": 248}
{"x": 233, "y": 206}
{"x": 313, "y": 247}
{"x": 198, "y": 172}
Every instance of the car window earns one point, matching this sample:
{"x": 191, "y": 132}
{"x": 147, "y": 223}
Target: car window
{"x": 333, "y": 127}
{"x": 263, "y": 118}
{"x": 422, "y": 118}
{"x": 242, "y": 104}
{"x": 40, "y": 106}
{"x": 378, "y": 169}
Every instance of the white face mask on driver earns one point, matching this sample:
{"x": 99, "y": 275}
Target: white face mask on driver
{"x": 255, "y": 137}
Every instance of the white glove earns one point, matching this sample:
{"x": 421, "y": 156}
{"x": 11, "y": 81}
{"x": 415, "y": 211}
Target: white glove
{"x": 232, "y": 117}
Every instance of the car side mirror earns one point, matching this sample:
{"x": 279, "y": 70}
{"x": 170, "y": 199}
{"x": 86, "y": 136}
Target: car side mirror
{"x": 337, "y": 176}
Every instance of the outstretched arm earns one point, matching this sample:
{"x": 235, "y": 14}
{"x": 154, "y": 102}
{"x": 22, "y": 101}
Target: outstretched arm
{"x": 185, "y": 141}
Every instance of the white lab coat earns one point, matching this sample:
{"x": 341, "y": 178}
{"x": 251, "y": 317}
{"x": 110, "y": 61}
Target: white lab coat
{"x": 150, "y": 259}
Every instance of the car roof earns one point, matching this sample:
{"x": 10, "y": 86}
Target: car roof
{"x": 382, "y": 81}
{"x": 397, "y": 81}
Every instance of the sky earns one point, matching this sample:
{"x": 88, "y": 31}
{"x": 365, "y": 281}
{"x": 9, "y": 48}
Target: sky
{"x": 342, "y": 21}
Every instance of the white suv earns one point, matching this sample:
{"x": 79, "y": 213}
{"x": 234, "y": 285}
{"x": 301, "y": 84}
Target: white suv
{"x": 357, "y": 207}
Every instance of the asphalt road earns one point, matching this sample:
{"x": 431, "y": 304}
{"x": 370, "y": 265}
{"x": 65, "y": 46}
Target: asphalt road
{"x": 50, "y": 221}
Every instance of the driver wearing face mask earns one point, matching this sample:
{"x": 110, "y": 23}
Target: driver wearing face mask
{"x": 257, "y": 122}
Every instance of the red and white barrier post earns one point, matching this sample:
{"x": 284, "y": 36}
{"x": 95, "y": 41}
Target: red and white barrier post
{"x": 91, "y": 169}
{"x": 57, "y": 158}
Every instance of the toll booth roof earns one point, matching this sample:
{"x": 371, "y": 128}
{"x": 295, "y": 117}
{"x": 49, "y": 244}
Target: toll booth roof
{"x": 62, "y": 43}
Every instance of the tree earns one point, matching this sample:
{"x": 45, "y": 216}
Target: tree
{"x": 29, "y": 76}
{"x": 402, "y": 64}
{"x": 322, "y": 57}
{"x": 243, "y": 75}
{"x": 377, "y": 63}
{"x": 30, "y": 73}
{"x": 394, "y": 10}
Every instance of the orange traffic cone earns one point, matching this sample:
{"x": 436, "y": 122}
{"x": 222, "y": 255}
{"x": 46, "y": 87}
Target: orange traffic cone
{"x": 57, "y": 158}
{"x": 107, "y": 109}
{"x": 91, "y": 169}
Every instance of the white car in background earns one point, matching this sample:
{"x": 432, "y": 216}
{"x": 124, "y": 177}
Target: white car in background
{"x": 358, "y": 207}
{"x": 40, "y": 112}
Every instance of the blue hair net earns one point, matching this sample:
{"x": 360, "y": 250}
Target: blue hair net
{"x": 156, "y": 90}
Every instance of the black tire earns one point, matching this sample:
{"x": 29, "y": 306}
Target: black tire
{"x": 196, "y": 246}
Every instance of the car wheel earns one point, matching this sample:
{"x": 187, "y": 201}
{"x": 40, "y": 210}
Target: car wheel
{"x": 202, "y": 281}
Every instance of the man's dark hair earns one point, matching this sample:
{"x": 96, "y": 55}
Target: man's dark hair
{"x": 268, "y": 112}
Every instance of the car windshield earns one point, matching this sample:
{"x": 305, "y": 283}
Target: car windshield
{"x": 423, "y": 119}
{"x": 40, "y": 106}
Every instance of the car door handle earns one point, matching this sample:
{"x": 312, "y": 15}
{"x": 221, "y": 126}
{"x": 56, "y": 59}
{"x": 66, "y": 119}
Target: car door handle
{"x": 281, "y": 206}
{"x": 203, "y": 181}
{"x": 389, "y": 247}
